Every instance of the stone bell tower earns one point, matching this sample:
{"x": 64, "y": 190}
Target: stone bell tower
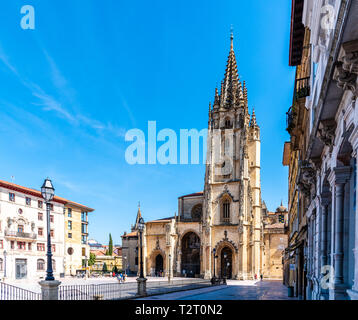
{"x": 232, "y": 192}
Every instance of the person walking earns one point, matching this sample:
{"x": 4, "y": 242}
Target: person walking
{"x": 261, "y": 276}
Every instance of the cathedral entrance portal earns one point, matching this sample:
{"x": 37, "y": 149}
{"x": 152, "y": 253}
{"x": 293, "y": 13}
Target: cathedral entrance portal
{"x": 226, "y": 263}
{"x": 158, "y": 264}
{"x": 190, "y": 264}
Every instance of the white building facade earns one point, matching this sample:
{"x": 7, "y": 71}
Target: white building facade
{"x": 23, "y": 233}
{"x": 328, "y": 173}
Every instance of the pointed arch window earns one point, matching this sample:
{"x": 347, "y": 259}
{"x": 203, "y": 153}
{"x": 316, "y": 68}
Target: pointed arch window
{"x": 228, "y": 123}
{"x": 226, "y": 210}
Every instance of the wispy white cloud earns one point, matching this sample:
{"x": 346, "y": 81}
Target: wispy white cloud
{"x": 65, "y": 104}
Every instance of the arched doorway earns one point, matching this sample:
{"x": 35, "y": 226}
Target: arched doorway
{"x": 226, "y": 263}
{"x": 159, "y": 262}
{"x": 190, "y": 260}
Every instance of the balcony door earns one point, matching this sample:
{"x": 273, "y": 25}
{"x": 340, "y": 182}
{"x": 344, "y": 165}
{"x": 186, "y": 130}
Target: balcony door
{"x": 21, "y": 268}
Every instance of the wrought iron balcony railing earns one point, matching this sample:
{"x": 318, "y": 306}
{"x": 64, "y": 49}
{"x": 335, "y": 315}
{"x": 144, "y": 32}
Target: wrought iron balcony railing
{"x": 302, "y": 88}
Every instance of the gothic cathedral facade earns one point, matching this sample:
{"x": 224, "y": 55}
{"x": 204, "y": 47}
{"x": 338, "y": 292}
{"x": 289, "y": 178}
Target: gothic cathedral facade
{"x": 220, "y": 231}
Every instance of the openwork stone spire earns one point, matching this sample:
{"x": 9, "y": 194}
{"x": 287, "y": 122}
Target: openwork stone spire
{"x": 253, "y": 122}
{"x": 231, "y": 79}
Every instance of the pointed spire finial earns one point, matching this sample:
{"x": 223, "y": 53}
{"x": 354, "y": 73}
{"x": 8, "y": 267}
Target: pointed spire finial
{"x": 253, "y": 122}
{"x": 232, "y": 37}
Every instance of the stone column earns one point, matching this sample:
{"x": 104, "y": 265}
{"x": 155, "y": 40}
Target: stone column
{"x": 324, "y": 214}
{"x": 341, "y": 175}
{"x": 324, "y": 219}
{"x": 49, "y": 289}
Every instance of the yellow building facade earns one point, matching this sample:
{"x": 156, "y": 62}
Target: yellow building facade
{"x": 77, "y": 250}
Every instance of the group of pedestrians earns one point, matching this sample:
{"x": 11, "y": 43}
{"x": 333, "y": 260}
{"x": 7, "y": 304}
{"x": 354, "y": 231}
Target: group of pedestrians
{"x": 120, "y": 277}
{"x": 261, "y": 276}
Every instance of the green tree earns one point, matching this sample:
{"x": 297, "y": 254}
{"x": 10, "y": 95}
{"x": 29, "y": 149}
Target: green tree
{"x": 104, "y": 269}
{"x": 110, "y": 246}
{"x": 115, "y": 270}
{"x": 92, "y": 259}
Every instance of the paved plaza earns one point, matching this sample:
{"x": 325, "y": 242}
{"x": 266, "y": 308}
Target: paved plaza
{"x": 235, "y": 290}
{"x": 34, "y": 286}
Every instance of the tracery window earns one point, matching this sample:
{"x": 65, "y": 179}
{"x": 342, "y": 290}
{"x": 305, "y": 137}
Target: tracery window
{"x": 196, "y": 212}
{"x": 226, "y": 211}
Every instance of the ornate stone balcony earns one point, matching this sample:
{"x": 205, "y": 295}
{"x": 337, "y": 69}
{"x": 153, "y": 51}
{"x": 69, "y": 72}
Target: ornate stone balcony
{"x": 20, "y": 235}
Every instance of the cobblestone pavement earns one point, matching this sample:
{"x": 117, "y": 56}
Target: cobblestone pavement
{"x": 235, "y": 290}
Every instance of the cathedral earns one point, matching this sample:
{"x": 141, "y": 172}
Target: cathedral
{"x": 225, "y": 230}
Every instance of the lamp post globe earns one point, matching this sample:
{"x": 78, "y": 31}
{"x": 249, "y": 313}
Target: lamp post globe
{"x": 48, "y": 192}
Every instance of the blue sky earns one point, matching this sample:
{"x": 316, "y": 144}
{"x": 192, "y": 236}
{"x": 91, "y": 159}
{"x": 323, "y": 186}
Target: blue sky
{"x": 91, "y": 70}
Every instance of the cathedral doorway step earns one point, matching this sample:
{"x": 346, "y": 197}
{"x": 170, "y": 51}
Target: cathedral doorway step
{"x": 159, "y": 262}
{"x": 226, "y": 263}
{"x": 190, "y": 264}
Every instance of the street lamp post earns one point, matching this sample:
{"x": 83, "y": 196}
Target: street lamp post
{"x": 48, "y": 192}
{"x": 5, "y": 253}
{"x": 169, "y": 267}
{"x": 213, "y": 279}
{"x": 142, "y": 291}
{"x": 49, "y": 287}
{"x": 225, "y": 266}
{"x": 125, "y": 265}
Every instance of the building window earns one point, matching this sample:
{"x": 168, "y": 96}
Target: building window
{"x": 53, "y": 265}
{"x": 40, "y": 204}
{"x": 51, "y": 206}
{"x": 69, "y": 213}
{"x": 1, "y": 265}
{"x": 51, "y": 218}
{"x": 136, "y": 261}
{"x": 84, "y": 239}
{"x": 21, "y": 245}
{"x": 40, "y": 216}
{"x": 28, "y": 201}
{"x": 40, "y": 247}
{"x": 29, "y": 247}
{"x": 52, "y": 233}
{"x": 70, "y": 235}
{"x": 226, "y": 211}
{"x": 69, "y": 225}
{"x": 84, "y": 216}
{"x": 1, "y": 244}
{"x": 11, "y": 197}
{"x": 84, "y": 228}
{"x": 40, "y": 231}
{"x": 53, "y": 248}
{"x": 12, "y": 244}
{"x": 40, "y": 264}
{"x": 83, "y": 251}
{"x": 20, "y": 228}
